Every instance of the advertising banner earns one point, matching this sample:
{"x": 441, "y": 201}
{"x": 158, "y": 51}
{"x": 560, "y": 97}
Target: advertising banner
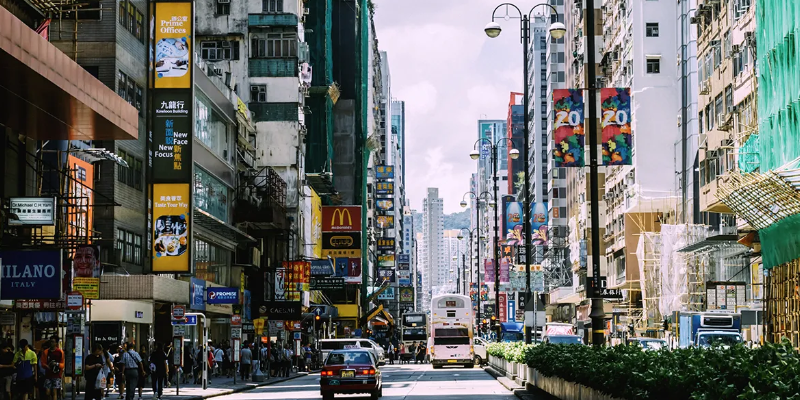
{"x": 297, "y": 279}
{"x": 503, "y": 308}
{"x": 539, "y": 223}
{"x": 280, "y": 284}
{"x": 385, "y": 221}
{"x": 404, "y": 277}
{"x": 387, "y": 294}
{"x": 316, "y": 224}
{"x": 384, "y": 172}
{"x": 222, "y": 295}
{"x": 512, "y": 221}
{"x": 33, "y": 210}
{"x": 349, "y": 269}
{"x": 171, "y": 228}
{"x": 505, "y": 269}
{"x": 568, "y": 128}
{"x": 341, "y": 218}
{"x": 79, "y": 224}
{"x": 321, "y": 268}
{"x": 384, "y": 188}
{"x": 488, "y": 265}
{"x": 341, "y": 240}
{"x": 615, "y": 105}
{"x": 406, "y": 294}
{"x": 386, "y": 244}
{"x": 386, "y": 275}
{"x": 384, "y": 205}
{"x": 86, "y": 262}
{"x": 197, "y": 294}
{"x": 173, "y": 37}
{"x": 27, "y": 274}
{"x": 386, "y": 260}
{"x": 172, "y": 135}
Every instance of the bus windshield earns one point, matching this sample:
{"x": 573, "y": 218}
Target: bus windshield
{"x": 451, "y": 332}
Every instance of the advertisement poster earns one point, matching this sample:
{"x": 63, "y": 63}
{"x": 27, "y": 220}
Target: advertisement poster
{"x": 280, "y": 284}
{"x": 349, "y": 269}
{"x": 171, "y": 228}
{"x": 385, "y": 221}
{"x": 539, "y": 223}
{"x": 505, "y": 269}
{"x": 568, "y": 125}
{"x": 384, "y": 172}
{"x": 86, "y": 262}
{"x": 197, "y": 294}
{"x": 341, "y": 218}
{"x": 615, "y": 108}
{"x": 384, "y": 205}
{"x": 489, "y": 267}
{"x": 79, "y": 222}
{"x": 172, "y": 134}
{"x": 173, "y": 37}
{"x": 316, "y": 224}
{"x": 27, "y": 274}
{"x": 512, "y": 221}
{"x": 384, "y": 188}
{"x": 406, "y": 294}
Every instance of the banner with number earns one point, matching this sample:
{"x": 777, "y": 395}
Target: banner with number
{"x": 568, "y": 128}
{"x": 616, "y": 124}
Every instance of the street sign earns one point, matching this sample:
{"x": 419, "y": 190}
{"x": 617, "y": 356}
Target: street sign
{"x": 187, "y": 320}
{"x": 298, "y": 335}
{"x": 74, "y": 300}
{"x": 236, "y": 320}
{"x": 603, "y": 292}
{"x": 236, "y": 333}
{"x": 178, "y": 312}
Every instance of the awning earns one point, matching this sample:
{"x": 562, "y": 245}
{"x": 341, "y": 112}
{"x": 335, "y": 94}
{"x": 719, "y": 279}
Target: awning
{"x": 48, "y": 96}
{"x": 709, "y": 242}
{"x": 216, "y": 225}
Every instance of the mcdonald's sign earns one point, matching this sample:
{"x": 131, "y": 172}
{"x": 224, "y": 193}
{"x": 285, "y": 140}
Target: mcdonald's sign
{"x": 341, "y": 218}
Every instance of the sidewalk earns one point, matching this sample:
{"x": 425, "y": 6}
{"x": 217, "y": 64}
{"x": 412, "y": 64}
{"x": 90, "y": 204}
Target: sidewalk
{"x": 217, "y": 387}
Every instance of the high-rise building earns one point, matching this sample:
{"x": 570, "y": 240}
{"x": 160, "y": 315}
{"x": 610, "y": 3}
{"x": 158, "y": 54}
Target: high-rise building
{"x": 433, "y": 262}
{"x": 455, "y": 257}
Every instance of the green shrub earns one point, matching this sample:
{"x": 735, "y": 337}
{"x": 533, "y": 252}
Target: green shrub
{"x": 514, "y": 351}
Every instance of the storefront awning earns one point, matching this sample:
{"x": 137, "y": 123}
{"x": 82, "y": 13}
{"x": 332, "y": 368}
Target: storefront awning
{"x": 47, "y": 96}
{"x": 216, "y": 225}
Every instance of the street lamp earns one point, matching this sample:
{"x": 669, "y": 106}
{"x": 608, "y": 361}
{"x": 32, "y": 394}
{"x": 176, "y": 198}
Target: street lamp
{"x": 557, "y": 31}
{"x": 478, "y": 200}
{"x": 513, "y": 154}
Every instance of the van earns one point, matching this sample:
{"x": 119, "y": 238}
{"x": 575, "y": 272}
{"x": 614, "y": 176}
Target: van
{"x": 326, "y": 346}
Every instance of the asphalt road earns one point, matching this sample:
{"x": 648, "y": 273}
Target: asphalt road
{"x": 412, "y": 382}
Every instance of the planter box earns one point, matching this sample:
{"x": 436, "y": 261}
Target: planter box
{"x": 522, "y": 372}
{"x": 565, "y": 390}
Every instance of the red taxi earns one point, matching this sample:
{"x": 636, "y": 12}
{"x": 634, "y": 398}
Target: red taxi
{"x": 350, "y": 371}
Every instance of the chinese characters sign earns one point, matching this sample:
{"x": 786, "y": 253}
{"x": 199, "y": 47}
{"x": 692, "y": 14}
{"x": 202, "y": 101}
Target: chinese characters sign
{"x": 297, "y": 279}
{"x": 172, "y": 136}
{"x": 386, "y": 188}
{"x": 384, "y": 172}
{"x": 171, "y": 228}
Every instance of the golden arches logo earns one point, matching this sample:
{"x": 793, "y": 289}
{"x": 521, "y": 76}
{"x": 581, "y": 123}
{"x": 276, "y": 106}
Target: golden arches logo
{"x": 341, "y": 213}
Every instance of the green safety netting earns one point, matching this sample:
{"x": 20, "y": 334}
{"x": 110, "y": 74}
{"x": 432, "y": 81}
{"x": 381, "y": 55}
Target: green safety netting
{"x": 778, "y": 47}
{"x": 749, "y": 159}
{"x": 780, "y": 242}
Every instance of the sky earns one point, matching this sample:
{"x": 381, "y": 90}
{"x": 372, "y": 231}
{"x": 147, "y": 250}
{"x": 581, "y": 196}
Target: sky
{"x": 450, "y": 75}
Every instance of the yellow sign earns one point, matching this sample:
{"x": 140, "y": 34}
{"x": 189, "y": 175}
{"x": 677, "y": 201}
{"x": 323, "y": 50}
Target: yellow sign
{"x": 316, "y": 223}
{"x": 341, "y": 253}
{"x": 88, "y": 287}
{"x": 241, "y": 108}
{"x": 171, "y": 221}
{"x": 173, "y": 37}
{"x": 258, "y": 325}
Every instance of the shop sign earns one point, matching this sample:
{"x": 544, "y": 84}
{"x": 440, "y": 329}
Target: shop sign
{"x": 386, "y": 260}
{"x": 386, "y": 244}
{"x": 258, "y": 326}
{"x": 404, "y": 278}
{"x": 297, "y": 279}
{"x": 88, "y": 287}
{"x": 106, "y": 333}
{"x": 406, "y": 294}
{"x": 40, "y": 305}
{"x": 74, "y": 301}
{"x": 289, "y": 310}
{"x": 249, "y": 327}
{"x": 341, "y": 218}
{"x": 384, "y": 188}
{"x": 330, "y": 283}
{"x": 341, "y": 240}
{"x": 385, "y": 221}
{"x": 222, "y": 295}
{"x": 30, "y": 272}
{"x": 197, "y": 291}
{"x": 33, "y": 210}
{"x": 321, "y": 268}
{"x": 387, "y": 294}
{"x": 384, "y": 172}
{"x": 171, "y": 230}
{"x": 404, "y": 258}
{"x": 386, "y": 275}
{"x": 384, "y": 205}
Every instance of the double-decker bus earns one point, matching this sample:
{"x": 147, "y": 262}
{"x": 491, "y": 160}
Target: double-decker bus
{"x": 451, "y": 331}
{"x": 414, "y": 328}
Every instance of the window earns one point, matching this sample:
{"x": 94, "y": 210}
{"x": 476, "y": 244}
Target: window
{"x": 123, "y": 13}
{"x": 211, "y": 195}
{"x": 740, "y": 8}
{"x": 215, "y": 50}
{"x": 223, "y": 7}
{"x": 212, "y": 263}
{"x": 700, "y": 121}
{"x": 276, "y": 45}
{"x": 719, "y": 108}
{"x": 717, "y": 47}
{"x": 131, "y": 19}
{"x": 651, "y": 29}
{"x": 729, "y": 98}
{"x": 211, "y": 128}
{"x": 129, "y": 90}
{"x": 132, "y": 175}
{"x": 272, "y": 6}
{"x": 130, "y": 246}
{"x": 258, "y": 93}
{"x": 653, "y": 65}
{"x": 139, "y": 26}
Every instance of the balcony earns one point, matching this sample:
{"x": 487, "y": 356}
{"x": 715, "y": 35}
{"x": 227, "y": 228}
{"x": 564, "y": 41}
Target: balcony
{"x": 273, "y": 67}
{"x": 270, "y": 20}
{"x": 267, "y": 112}
{"x": 261, "y": 202}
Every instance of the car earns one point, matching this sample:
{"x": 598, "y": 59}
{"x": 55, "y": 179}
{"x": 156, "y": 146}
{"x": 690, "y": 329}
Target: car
{"x": 563, "y": 339}
{"x": 328, "y": 345}
{"x": 479, "y": 344}
{"x": 648, "y": 344}
{"x": 349, "y": 372}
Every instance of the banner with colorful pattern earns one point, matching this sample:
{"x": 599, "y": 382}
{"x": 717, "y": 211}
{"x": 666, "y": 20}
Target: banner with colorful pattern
{"x": 616, "y": 125}
{"x": 568, "y": 128}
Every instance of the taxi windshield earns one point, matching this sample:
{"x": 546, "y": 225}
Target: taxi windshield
{"x": 353, "y": 357}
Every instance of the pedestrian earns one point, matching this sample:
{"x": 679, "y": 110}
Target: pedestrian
{"x": 6, "y": 369}
{"x": 219, "y": 356}
{"x": 307, "y": 354}
{"x": 421, "y": 350}
{"x": 413, "y": 351}
{"x": 93, "y": 366}
{"x": 288, "y": 356}
{"x": 245, "y": 361}
{"x": 274, "y": 359}
{"x": 188, "y": 365}
{"x": 390, "y": 353}
{"x": 132, "y": 367}
{"x": 402, "y": 353}
{"x": 25, "y": 361}
{"x": 53, "y": 363}
{"x": 158, "y": 370}
{"x": 119, "y": 369}
{"x": 169, "y": 351}
{"x": 143, "y": 372}
{"x": 226, "y": 361}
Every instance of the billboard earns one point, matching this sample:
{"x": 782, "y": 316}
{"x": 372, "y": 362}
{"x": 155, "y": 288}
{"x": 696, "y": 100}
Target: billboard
{"x": 33, "y": 210}
{"x": 385, "y": 221}
{"x": 406, "y": 294}
{"x": 27, "y": 274}
{"x": 172, "y": 135}
{"x": 171, "y": 229}
{"x": 384, "y": 205}
{"x": 539, "y": 223}
{"x": 341, "y": 218}
{"x": 386, "y": 244}
{"x": 568, "y": 128}
{"x": 79, "y": 224}
{"x": 615, "y": 105}
{"x": 384, "y": 188}
{"x": 173, "y": 37}
{"x": 297, "y": 279}
{"x": 316, "y": 224}
{"x": 384, "y": 172}
{"x": 222, "y": 295}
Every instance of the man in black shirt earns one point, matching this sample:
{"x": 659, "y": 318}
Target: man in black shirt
{"x": 93, "y": 365}
{"x": 6, "y": 369}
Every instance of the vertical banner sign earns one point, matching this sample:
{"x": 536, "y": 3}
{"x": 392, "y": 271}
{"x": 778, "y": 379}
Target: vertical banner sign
{"x": 171, "y": 228}
{"x": 568, "y": 125}
{"x": 79, "y": 224}
{"x": 173, "y": 36}
{"x": 616, "y": 124}
{"x": 502, "y": 308}
{"x": 488, "y": 269}
{"x": 539, "y": 223}
{"x": 512, "y": 223}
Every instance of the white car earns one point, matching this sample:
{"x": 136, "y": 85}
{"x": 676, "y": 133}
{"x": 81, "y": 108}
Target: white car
{"x": 479, "y": 346}
{"x": 328, "y": 345}
{"x": 380, "y": 354}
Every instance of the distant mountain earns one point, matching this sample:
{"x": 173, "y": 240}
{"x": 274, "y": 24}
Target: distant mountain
{"x": 458, "y": 220}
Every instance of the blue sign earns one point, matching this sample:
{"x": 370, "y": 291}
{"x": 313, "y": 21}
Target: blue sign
{"x": 341, "y": 267}
{"x": 247, "y": 312}
{"x": 31, "y": 274}
{"x": 197, "y": 294}
{"x": 321, "y": 268}
{"x": 188, "y": 320}
{"x": 384, "y": 171}
{"x": 404, "y": 258}
{"x": 222, "y": 295}
{"x": 512, "y": 311}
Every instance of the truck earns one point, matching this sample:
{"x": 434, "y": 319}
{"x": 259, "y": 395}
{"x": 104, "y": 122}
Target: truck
{"x": 560, "y": 333}
{"x": 703, "y": 329}
{"x": 512, "y": 332}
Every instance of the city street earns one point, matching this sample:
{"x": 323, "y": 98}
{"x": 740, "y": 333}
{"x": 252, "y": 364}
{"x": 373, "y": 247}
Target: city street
{"x": 417, "y": 382}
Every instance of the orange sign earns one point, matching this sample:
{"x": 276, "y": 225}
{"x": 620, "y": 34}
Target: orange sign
{"x": 341, "y": 218}
{"x": 79, "y": 221}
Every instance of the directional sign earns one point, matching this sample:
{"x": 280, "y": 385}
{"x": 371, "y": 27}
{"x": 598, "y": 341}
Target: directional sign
{"x": 187, "y": 320}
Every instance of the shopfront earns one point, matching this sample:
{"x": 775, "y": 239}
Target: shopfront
{"x": 129, "y": 320}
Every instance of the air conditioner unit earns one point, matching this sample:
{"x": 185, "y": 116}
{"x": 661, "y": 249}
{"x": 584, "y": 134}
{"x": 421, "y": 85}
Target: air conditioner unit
{"x": 722, "y": 122}
{"x": 735, "y": 48}
{"x": 705, "y": 87}
{"x": 217, "y": 71}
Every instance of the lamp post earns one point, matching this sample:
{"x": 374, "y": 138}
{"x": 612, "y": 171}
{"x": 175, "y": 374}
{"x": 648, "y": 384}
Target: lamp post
{"x": 480, "y": 237}
{"x": 513, "y": 154}
{"x": 557, "y": 31}
{"x": 460, "y": 237}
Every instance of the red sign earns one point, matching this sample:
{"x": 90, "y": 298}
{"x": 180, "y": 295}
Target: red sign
{"x": 40, "y": 305}
{"x": 74, "y": 300}
{"x": 341, "y": 218}
{"x": 502, "y": 310}
{"x": 236, "y": 320}
{"x": 178, "y": 312}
